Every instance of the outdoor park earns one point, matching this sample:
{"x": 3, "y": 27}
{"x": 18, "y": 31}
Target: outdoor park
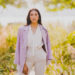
{"x": 58, "y": 17}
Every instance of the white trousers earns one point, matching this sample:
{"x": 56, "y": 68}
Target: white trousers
{"x": 36, "y": 60}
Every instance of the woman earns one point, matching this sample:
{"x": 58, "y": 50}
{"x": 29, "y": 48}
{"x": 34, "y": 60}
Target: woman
{"x": 33, "y": 45}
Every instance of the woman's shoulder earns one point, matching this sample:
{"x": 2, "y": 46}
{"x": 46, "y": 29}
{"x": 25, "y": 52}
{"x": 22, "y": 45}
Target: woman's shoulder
{"x": 22, "y": 27}
{"x": 44, "y": 28}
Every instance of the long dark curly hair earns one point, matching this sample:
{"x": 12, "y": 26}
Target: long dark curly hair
{"x": 28, "y": 16}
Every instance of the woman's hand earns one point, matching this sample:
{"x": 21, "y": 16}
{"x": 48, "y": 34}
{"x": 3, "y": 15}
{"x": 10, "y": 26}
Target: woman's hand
{"x": 25, "y": 69}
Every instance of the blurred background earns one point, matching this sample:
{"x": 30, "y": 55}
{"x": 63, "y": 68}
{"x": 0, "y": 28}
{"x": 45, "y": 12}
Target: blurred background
{"x": 58, "y": 16}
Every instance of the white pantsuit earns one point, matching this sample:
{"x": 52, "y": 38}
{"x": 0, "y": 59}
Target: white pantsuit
{"x": 36, "y": 56}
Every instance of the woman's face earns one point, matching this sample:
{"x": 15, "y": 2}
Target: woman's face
{"x": 34, "y": 16}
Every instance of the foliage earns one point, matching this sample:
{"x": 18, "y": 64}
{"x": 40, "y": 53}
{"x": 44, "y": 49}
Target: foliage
{"x": 50, "y": 5}
{"x": 62, "y": 62}
{"x": 17, "y": 3}
{"x": 4, "y": 2}
{"x": 6, "y": 64}
{"x": 71, "y": 38}
{"x": 56, "y": 5}
{"x": 7, "y": 56}
{"x": 11, "y": 41}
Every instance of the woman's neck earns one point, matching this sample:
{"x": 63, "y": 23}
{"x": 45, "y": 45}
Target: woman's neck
{"x": 34, "y": 25}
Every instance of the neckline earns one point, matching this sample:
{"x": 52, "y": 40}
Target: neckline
{"x": 35, "y": 30}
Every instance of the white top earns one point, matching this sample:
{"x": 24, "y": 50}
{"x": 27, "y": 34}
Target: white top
{"x": 34, "y": 39}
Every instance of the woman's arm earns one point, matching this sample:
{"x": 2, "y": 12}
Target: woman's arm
{"x": 17, "y": 52}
